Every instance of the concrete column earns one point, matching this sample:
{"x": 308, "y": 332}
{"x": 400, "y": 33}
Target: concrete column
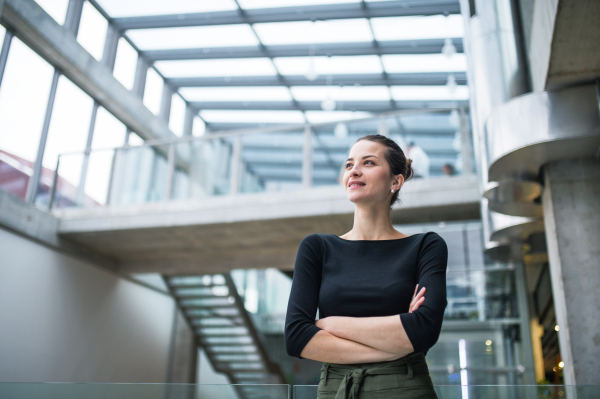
{"x": 139, "y": 82}
{"x": 572, "y": 218}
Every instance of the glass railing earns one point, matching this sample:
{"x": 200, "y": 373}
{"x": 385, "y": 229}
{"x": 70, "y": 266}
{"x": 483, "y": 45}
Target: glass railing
{"x": 142, "y": 391}
{"x": 487, "y": 391}
{"x": 217, "y": 164}
{"x": 267, "y": 391}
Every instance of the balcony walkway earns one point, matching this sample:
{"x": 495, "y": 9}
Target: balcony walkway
{"x": 258, "y": 230}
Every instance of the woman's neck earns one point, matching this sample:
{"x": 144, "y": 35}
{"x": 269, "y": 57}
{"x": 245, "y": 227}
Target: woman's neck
{"x": 372, "y": 223}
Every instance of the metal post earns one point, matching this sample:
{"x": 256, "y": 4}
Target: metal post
{"x": 73, "y": 17}
{"x": 4, "y": 52}
{"x": 188, "y": 122}
{"x": 33, "y": 185}
{"x": 54, "y": 183}
{"x": 236, "y": 161}
{"x": 109, "y": 192}
{"x": 170, "y": 170}
{"x": 111, "y": 42}
{"x": 165, "y": 103}
{"x": 139, "y": 81}
{"x": 466, "y": 150}
{"x": 524, "y": 317}
{"x": 307, "y": 162}
{"x": 86, "y": 157}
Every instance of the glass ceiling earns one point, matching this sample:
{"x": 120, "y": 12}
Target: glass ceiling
{"x": 304, "y": 70}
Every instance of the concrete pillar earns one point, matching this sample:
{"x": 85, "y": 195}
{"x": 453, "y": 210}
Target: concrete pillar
{"x": 572, "y": 218}
{"x": 188, "y": 122}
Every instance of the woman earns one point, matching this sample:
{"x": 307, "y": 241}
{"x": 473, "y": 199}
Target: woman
{"x": 374, "y": 327}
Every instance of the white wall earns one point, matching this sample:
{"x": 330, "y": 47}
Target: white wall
{"x": 65, "y": 320}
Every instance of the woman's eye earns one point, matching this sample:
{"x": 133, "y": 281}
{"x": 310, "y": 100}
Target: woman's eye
{"x": 347, "y": 165}
{"x": 371, "y": 162}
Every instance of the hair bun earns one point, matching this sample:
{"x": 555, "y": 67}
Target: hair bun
{"x": 409, "y": 170}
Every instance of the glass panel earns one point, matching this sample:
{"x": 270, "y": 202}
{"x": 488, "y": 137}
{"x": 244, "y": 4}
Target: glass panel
{"x": 345, "y": 93}
{"x": 421, "y": 63}
{"x": 225, "y": 67}
{"x": 328, "y": 65}
{"x": 252, "y": 116}
{"x": 332, "y": 31}
{"x": 23, "y": 100}
{"x": 68, "y": 133}
{"x": 193, "y": 37}
{"x": 57, "y": 9}
{"x": 125, "y": 63}
{"x": 177, "y": 116}
{"x": 109, "y": 132}
{"x": 456, "y": 391}
{"x": 130, "y": 8}
{"x": 418, "y": 27}
{"x": 272, "y": 162}
{"x": 199, "y": 127}
{"x": 147, "y": 391}
{"x": 206, "y": 171}
{"x": 288, "y": 3}
{"x": 153, "y": 91}
{"x": 139, "y": 175}
{"x": 67, "y": 183}
{"x": 332, "y": 116}
{"x": 92, "y": 30}
{"x": 235, "y": 93}
{"x": 431, "y": 93}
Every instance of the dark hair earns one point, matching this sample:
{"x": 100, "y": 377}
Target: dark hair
{"x": 399, "y": 163}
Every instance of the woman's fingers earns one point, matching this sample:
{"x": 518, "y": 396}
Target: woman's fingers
{"x": 416, "y": 288}
{"x": 416, "y": 305}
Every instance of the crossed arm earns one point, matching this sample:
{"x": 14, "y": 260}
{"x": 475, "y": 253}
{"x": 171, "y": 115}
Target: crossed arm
{"x": 346, "y": 340}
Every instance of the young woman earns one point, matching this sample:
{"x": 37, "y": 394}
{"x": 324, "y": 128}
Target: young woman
{"x": 375, "y": 324}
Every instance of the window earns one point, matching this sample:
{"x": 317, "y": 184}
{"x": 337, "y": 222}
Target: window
{"x": 177, "y": 116}
{"x": 125, "y": 63}
{"x": 23, "y": 100}
{"x": 92, "y": 31}
{"x": 57, "y": 9}
{"x": 153, "y": 91}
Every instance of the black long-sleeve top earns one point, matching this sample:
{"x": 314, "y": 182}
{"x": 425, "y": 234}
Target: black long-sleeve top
{"x": 367, "y": 278}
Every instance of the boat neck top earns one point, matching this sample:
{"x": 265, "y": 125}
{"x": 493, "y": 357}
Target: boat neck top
{"x": 367, "y": 278}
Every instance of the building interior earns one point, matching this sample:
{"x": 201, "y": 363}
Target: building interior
{"x": 161, "y": 161}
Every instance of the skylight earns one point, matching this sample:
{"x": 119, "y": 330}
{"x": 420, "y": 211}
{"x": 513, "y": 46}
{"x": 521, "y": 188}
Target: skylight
{"x": 236, "y": 93}
{"x": 219, "y": 67}
{"x": 346, "y": 93}
{"x": 332, "y": 116}
{"x": 129, "y": 8}
{"x": 431, "y": 93}
{"x": 252, "y": 116}
{"x": 193, "y": 37}
{"x": 333, "y": 31}
{"x": 288, "y": 3}
{"x": 329, "y": 65}
{"x": 406, "y": 63}
{"x": 418, "y": 27}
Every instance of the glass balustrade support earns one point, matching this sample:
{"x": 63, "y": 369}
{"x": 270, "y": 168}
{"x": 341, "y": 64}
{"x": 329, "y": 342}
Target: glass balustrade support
{"x": 236, "y": 161}
{"x": 307, "y": 158}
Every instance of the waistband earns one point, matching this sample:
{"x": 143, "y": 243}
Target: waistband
{"x": 352, "y": 375}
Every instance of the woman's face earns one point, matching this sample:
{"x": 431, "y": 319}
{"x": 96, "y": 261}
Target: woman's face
{"x": 367, "y": 165}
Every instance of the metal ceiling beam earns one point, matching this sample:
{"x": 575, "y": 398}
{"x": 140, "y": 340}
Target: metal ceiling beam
{"x": 289, "y": 14}
{"x": 422, "y": 46}
{"x": 370, "y": 79}
{"x": 368, "y": 106}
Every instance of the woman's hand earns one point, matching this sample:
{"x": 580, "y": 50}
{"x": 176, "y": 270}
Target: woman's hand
{"x": 417, "y": 299}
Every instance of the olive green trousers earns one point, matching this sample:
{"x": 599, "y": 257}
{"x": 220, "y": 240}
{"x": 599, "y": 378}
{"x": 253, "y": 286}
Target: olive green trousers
{"x": 407, "y": 377}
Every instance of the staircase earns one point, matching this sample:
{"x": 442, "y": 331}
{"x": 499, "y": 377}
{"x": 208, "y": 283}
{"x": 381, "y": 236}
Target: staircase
{"x": 223, "y": 327}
